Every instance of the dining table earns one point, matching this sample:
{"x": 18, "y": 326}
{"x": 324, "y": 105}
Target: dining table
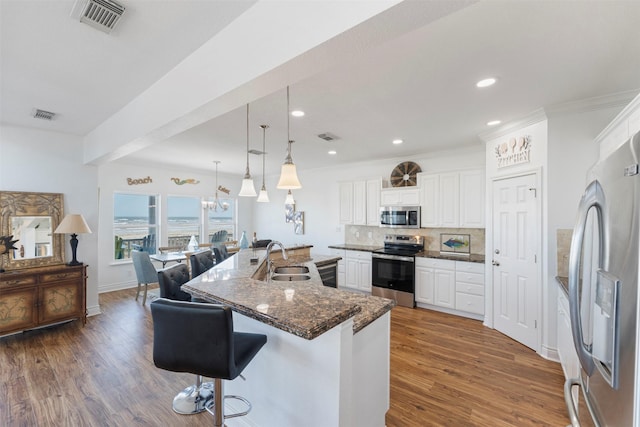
{"x": 169, "y": 257}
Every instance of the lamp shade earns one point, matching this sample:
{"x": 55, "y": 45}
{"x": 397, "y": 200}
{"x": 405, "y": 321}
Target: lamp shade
{"x": 263, "y": 197}
{"x": 288, "y": 178}
{"x": 73, "y": 224}
{"x": 247, "y": 189}
{"x": 289, "y": 199}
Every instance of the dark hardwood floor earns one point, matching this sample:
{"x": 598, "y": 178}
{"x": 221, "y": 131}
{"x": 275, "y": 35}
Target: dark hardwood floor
{"x": 445, "y": 371}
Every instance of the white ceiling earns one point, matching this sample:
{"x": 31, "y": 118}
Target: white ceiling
{"x": 419, "y": 86}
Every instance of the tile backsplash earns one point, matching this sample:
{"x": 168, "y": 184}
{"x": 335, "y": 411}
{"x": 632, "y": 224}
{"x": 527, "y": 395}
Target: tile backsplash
{"x": 563, "y": 240}
{"x": 369, "y": 235}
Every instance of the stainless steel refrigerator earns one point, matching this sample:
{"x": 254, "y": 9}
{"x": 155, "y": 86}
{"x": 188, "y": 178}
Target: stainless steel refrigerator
{"x": 603, "y": 294}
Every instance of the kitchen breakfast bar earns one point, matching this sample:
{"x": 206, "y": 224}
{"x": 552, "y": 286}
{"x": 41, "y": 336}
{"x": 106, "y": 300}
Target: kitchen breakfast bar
{"x": 326, "y": 361}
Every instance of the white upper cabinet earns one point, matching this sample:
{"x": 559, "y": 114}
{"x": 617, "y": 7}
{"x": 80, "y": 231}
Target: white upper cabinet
{"x": 453, "y": 199}
{"x": 359, "y": 201}
{"x": 373, "y": 201}
{"x": 472, "y": 208}
{"x": 400, "y": 196}
{"x": 346, "y": 202}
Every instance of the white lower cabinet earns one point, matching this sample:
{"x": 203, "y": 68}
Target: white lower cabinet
{"x": 457, "y": 286}
{"x": 566, "y": 350}
{"x": 358, "y": 270}
{"x": 470, "y": 287}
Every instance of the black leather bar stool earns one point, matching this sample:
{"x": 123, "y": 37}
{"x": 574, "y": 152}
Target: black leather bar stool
{"x": 199, "y": 338}
{"x": 193, "y": 399}
{"x": 201, "y": 262}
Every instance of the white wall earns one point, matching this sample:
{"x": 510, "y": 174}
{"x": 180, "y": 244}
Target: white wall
{"x": 563, "y": 150}
{"x": 51, "y": 162}
{"x": 536, "y": 128}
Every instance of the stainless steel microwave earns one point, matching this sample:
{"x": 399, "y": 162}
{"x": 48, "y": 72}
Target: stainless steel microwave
{"x": 400, "y": 216}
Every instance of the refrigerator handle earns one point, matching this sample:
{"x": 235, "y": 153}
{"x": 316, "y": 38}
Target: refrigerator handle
{"x": 593, "y": 197}
{"x": 572, "y": 408}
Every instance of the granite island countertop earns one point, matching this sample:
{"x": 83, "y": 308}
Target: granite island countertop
{"x": 313, "y": 309}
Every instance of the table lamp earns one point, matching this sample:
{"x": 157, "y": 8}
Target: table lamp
{"x": 73, "y": 224}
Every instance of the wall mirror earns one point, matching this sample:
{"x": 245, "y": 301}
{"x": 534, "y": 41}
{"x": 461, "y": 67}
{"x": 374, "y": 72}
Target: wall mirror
{"x": 31, "y": 218}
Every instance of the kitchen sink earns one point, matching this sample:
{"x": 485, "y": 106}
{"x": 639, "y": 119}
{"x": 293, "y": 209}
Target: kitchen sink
{"x": 290, "y": 277}
{"x": 293, "y": 269}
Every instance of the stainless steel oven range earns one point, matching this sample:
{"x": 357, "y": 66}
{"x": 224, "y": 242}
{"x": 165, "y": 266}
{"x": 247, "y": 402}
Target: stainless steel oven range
{"x": 393, "y": 268}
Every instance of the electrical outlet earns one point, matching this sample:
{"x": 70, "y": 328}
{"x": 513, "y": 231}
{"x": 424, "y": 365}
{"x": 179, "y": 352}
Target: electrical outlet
{"x": 370, "y": 234}
{"x": 357, "y": 234}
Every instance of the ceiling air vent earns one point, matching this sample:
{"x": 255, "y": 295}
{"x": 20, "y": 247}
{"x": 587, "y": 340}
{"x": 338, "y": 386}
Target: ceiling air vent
{"x": 102, "y": 15}
{"x": 44, "y": 115}
{"x": 328, "y": 136}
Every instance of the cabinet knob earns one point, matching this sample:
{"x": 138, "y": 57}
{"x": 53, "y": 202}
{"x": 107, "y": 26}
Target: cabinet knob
{"x": 497, "y": 251}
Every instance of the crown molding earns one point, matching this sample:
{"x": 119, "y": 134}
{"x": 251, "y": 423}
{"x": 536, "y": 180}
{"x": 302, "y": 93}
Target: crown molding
{"x": 618, "y": 99}
{"x": 536, "y": 116}
{"x": 621, "y": 119}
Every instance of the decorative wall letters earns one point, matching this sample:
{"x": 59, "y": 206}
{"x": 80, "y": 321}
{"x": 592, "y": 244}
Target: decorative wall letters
{"x": 513, "y": 152}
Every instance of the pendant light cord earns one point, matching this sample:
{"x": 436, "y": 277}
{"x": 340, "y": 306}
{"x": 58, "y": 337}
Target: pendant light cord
{"x": 247, "y": 175}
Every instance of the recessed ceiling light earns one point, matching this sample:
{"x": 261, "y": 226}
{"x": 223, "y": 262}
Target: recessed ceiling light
{"x": 297, "y": 113}
{"x": 397, "y": 141}
{"x": 493, "y": 122}
{"x": 333, "y": 152}
{"x": 486, "y": 82}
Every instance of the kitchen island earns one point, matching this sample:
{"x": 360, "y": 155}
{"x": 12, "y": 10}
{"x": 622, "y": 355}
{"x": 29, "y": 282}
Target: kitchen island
{"x": 326, "y": 361}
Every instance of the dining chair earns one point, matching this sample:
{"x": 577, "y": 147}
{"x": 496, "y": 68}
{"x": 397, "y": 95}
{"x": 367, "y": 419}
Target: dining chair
{"x": 220, "y": 250}
{"x": 145, "y": 272}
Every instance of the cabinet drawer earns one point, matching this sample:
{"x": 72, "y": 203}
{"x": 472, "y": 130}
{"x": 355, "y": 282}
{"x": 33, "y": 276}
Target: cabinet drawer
{"x": 443, "y": 264}
{"x": 24, "y": 280}
{"x": 359, "y": 255}
{"x": 470, "y": 267}
{"x": 470, "y": 288}
{"x": 469, "y": 303}
{"x": 62, "y": 275}
{"x": 469, "y": 277}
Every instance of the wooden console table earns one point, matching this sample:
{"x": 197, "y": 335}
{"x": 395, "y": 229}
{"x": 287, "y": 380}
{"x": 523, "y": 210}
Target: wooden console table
{"x": 34, "y": 297}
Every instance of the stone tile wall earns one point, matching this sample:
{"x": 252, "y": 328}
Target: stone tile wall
{"x": 368, "y": 235}
{"x": 563, "y": 239}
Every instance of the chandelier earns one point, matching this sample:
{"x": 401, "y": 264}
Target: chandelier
{"x": 215, "y": 204}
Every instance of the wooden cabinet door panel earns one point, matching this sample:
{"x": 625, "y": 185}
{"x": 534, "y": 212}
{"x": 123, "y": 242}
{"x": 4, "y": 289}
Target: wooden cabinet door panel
{"x": 18, "y": 309}
{"x": 60, "y": 301}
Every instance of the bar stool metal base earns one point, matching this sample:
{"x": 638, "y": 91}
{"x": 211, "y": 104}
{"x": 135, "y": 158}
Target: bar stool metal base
{"x": 216, "y": 406}
{"x": 193, "y": 399}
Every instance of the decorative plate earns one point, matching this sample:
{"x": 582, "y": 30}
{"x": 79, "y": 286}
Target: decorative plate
{"x": 405, "y": 175}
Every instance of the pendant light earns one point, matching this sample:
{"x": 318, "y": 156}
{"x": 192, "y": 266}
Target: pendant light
{"x": 247, "y": 189}
{"x": 213, "y": 206}
{"x": 263, "y": 197}
{"x": 288, "y": 175}
{"x": 289, "y": 199}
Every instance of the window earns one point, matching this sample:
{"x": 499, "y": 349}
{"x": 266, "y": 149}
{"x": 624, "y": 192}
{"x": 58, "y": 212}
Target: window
{"x": 222, "y": 220}
{"x": 135, "y": 219}
{"x": 183, "y": 220}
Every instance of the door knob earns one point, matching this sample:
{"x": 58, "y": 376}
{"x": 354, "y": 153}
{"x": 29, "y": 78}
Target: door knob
{"x": 496, "y": 263}
{"x": 497, "y": 251}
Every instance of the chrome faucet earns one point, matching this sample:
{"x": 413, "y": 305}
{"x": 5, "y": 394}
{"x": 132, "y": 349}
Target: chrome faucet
{"x": 269, "y": 261}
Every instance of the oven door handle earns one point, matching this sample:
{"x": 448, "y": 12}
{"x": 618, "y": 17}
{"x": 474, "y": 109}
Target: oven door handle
{"x": 393, "y": 257}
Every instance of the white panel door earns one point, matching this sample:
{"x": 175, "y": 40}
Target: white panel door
{"x": 515, "y": 273}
